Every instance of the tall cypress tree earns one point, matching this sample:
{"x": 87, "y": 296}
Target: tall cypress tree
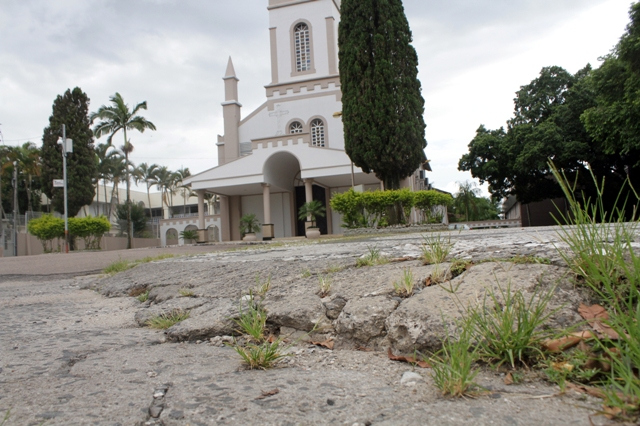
{"x": 382, "y": 106}
{"x": 72, "y": 110}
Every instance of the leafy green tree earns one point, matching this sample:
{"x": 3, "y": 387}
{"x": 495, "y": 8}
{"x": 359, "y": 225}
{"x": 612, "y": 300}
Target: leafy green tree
{"x": 546, "y": 125}
{"x": 118, "y": 117}
{"x": 138, "y": 218}
{"x": 70, "y": 109}
{"x": 590, "y": 120}
{"x": 382, "y": 108}
{"x": 466, "y": 199}
{"x": 614, "y": 122}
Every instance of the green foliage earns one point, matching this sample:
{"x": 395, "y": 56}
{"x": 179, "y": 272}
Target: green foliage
{"x": 382, "y": 105}
{"x": 507, "y": 326}
{"x": 453, "y": 370}
{"x": 435, "y": 249}
{"x": 46, "y": 229}
{"x": 189, "y": 234}
{"x": 123, "y": 265}
{"x": 249, "y": 224}
{"x": 70, "y": 109}
{"x": 164, "y": 321}
{"x": 252, "y": 319}
{"x": 186, "y": 292}
{"x": 138, "y": 218}
{"x": 373, "y": 257}
{"x": 602, "y": 255}
{"x": 90, "y": 229}
{"x": 469, "y": 205}
{"x": 589, "y": 118}
{"x": 349, "y": 205}
{"x": 312, "y": 209}
{"x": 404, "y": 287}
{"x": 370, "y": 208}
{"x": 143, "y": 297}
{"x": 260, "y": 356}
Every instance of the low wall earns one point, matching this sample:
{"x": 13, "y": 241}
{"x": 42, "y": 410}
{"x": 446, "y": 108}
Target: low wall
{"x": 29, "y": 245}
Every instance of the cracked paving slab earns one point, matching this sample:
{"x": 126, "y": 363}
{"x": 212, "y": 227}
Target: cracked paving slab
{"x": 72, "y": 355}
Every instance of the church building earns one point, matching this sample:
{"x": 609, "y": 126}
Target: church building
{"x": 290, "y": 150}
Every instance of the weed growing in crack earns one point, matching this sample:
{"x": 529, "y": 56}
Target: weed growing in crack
{"x": 260, "y": 356}
{"x": 262, "y": 287}
{"x": 602, "y": 256}
{"x": 453, "y": 369}
{"x": 259, "y": 352}
{"x": 324, "y": 283}
{"x": 123, "y": 265}
{"x": 252, "y": 319}
{"x": 186, "y": 292}
{"x": 507, "y": 326}
{"x": 306, "y": 273}
{"x": 143, "y": 297}
{"x": 405, "y": 287}
{"x": 164, "y": 321}
{"x": 435, "y": 249}
{"x": 374, "y": 257}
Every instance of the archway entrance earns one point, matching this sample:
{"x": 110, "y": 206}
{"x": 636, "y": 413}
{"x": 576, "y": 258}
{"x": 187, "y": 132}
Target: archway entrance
{"x": 319, "y": 194}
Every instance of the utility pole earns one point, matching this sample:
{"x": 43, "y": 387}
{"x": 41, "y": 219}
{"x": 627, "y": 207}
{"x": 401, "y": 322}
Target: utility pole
{"x": 67, "y": 146}
{"x": 15, "y": 208}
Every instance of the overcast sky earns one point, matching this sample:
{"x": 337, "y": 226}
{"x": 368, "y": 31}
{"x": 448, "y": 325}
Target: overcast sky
{"x": 474, "y": 55}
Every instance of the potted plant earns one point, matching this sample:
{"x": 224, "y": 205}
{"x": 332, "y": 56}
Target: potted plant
{"x": 249, "y": 225}
{"x": 312, "y": 210}
{"x": 189, "y": 235}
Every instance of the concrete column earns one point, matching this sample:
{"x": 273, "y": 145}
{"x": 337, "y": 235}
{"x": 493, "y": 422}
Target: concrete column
{"x": 267, "y": 227}
{"x": 200, "y": 208}
{"x": 308, "y": 193}
{"x": 225, "y": 220}
{"x": 266, "y": 202}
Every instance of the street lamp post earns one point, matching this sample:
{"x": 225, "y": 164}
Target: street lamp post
{"x": 67, "y": 146}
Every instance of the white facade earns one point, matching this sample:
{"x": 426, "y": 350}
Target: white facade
{"x": 290, "y": 149}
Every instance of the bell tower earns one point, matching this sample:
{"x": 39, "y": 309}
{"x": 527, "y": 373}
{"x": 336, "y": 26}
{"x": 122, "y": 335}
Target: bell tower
{"x": 303, "y": 38}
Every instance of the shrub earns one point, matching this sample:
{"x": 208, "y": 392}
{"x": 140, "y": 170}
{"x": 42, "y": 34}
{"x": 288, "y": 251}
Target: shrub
{"x": 45, "y": 229}
{"x": 90, "y": 229}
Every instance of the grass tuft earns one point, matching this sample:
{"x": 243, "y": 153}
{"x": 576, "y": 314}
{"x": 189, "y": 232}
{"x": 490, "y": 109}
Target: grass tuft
{"x": 164, "y": 321}
{"x": 435, "y": 249}
{"x": 405, "y": 287}
{"x": 252, "y": 319}
{"x": 324, "y": 283}
{"x": 453, "y": 369}
{"x": 507, "y": 326}
{"x": 260, "y": 356}
{"x": 374, "y": 257}
{"x": 124, "y": 265}
{"x": 186, "y": 292}
{"x": 143, "y": 297}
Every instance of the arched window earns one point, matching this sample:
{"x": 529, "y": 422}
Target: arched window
{"x": 295, "y": 127}
{"x": 317, "y": 132}
{"x": 302, "y": 46}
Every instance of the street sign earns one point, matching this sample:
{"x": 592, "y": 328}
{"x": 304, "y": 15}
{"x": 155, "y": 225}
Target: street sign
{"x": 58, "y": 183}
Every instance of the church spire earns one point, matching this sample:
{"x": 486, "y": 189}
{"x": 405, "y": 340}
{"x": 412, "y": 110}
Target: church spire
{"x": 231, "y": 72}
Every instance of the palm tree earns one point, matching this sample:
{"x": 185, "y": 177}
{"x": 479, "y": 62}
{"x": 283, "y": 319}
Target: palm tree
{"x": 28, "y": 155}
{"x": 466, "y": 199}
{"x": 181, "y": 174}
{"x": 164, "y": 182}
{"x": 104, "y": 160}
{"x": 118, "y": 117}
{"x": 147, "y": 174}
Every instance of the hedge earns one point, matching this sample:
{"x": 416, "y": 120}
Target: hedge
{"x": 362, "y": 209}
{"x": 90, "y": 229}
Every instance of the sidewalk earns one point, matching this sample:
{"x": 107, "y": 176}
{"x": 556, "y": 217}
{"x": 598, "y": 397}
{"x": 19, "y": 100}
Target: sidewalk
{"x": 90, "y": 262}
